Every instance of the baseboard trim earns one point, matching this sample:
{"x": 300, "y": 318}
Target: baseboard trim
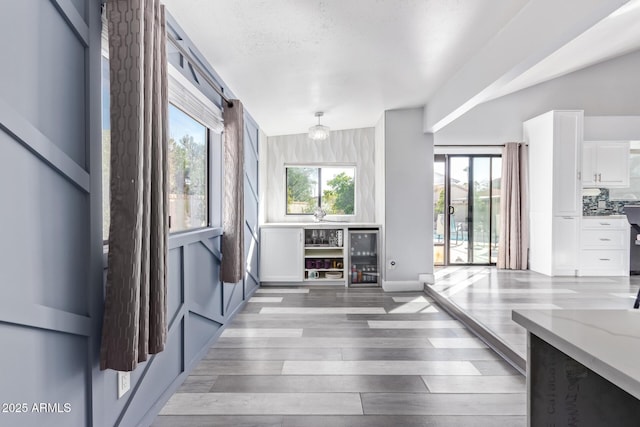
{"x": 426, "y": 278}
{"x": 402, "y": 286}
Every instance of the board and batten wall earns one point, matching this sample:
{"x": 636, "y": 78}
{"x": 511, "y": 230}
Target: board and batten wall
{"x": 609, "y": 88}
{"x": 51, "y": 251}
{"x": 344, "y": 147}
{"x": 50, "y": 220}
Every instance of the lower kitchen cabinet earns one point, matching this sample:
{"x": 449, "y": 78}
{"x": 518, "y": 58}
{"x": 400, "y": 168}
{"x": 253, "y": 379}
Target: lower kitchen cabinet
{"x": 281, "y": 252}
{"x": 316, "y": 254}
{"x": 566, "y": 230}
{"x": 604, "y": 246}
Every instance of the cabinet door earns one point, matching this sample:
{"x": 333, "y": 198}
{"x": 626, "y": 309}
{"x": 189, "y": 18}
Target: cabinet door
{"x": 566, "y": 244}
{"x": 281, "y": 254}
{"x": 589, "y": 172}
{"x": 567, "y": 163}
{"x": 613, "y": 164}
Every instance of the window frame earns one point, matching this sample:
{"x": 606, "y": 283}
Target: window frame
{"x": 319, "y": 167}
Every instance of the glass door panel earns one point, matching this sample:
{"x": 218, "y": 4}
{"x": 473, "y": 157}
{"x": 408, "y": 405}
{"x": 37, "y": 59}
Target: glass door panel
{"x": 363, "y": 257}
{"x": 481, "y": 209}
{"x": 466, "y": 209}
{"x": 458, "y": 210}
{"x": 439, "y": 204}
{"x": 496, "y": 180}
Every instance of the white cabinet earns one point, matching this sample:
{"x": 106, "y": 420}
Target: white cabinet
{"x": 605, "y": 164}
{"x": 604, "y": 246}
{"x": 555, "y": 191}
{"x": 566, "y": 244}
{"x": 281, "y": 254}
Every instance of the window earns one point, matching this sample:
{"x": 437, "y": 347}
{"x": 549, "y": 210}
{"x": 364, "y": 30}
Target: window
{"x": 188, "y": 187}
{"x": 331, "y": 187}
{"x": 189, "y": 152}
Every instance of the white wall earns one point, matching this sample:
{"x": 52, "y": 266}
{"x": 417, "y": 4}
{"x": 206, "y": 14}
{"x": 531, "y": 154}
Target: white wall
{"x": 408, "y": 198}
{"x": 262, "y": 178}
{"x": 608, "y": 88}
{"x": 380, "y": 190}
{"x": 352, "y": 146}
{"x": 379, "y": 171}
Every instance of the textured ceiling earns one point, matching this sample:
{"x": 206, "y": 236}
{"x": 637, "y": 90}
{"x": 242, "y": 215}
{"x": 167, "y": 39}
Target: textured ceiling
{"x": 352, "y": 59}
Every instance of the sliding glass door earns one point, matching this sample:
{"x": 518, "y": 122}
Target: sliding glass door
{"x": 467, "y": 209}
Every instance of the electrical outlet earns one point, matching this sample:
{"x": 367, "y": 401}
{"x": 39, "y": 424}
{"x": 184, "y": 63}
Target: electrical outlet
{"x": 602, "y": 204}
{"x": 124, "y": 383}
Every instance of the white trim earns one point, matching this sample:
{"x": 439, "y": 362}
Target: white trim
{"x": 426, "y": 278}
{"x": 402, "y": 286}
{"x": 467, "y": 149}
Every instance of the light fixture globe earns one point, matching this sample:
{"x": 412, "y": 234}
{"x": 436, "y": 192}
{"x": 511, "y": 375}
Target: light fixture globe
{"x": 319, "y": 132}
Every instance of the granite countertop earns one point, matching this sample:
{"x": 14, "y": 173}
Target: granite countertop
{"x": 605, "y": 341}
{"x": 605, "y": 216}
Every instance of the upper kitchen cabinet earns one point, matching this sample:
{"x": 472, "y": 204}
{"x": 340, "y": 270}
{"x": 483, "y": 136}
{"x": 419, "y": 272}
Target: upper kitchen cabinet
{"x": 555, "y": 162}
{"x": 605, "y": 164}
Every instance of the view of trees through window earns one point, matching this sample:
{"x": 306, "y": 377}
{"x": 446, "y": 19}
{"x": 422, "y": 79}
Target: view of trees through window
{"x": 188, "y": 166}
{"x": 332, "y": 188}
{"x": 187, "y": 171}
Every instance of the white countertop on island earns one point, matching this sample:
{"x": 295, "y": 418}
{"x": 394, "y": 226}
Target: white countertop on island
{"x": 605, "y": 341}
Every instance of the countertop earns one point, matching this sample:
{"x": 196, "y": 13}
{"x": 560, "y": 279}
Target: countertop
{"x": 605, "y": 341}
{"x": 605, "y": 216}
{"x": 322, "y": 224}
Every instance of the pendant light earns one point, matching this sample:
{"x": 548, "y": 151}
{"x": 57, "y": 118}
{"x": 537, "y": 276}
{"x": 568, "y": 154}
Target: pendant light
{"x": 319, "y": 132}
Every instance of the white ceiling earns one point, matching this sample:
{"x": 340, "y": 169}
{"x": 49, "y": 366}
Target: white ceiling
{"x": 353, "y": 59}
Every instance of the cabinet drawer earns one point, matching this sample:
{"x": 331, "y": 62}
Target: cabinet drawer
{"x": 607, "y": 239}
{"x": 603, "y": 223}
{"x": 603, "y": 260}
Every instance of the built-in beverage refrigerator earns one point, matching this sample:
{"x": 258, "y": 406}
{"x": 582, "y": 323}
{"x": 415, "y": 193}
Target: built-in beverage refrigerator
{"x": 364, "y": 261}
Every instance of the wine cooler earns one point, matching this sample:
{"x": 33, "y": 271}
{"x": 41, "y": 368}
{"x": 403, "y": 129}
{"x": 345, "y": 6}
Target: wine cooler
{"x": 364, "y": 262}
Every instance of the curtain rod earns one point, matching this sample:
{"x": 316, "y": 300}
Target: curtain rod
{"x": 198, "y": 68}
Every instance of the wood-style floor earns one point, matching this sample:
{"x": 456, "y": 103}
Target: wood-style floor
{"x": 328, "y": 356}
{"x": 487, "y": 296}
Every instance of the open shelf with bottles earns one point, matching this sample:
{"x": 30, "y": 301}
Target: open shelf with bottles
{"x": 324, "y": 259}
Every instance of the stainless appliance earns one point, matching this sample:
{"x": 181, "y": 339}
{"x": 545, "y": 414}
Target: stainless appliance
{"x": 633, "y": 216}
{"x": 364, "y": 262}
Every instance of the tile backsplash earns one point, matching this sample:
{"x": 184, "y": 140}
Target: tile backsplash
{"x": 600, "y": 204}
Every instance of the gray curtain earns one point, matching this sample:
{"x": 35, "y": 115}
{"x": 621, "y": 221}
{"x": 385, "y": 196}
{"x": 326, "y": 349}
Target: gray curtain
{"x": 232, "y": 268}
{"x": 513, "y": 247}
{"x": 135, "y": 319}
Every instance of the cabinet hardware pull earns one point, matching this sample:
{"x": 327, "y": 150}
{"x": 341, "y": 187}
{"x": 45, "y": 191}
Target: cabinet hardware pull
{"x": 605, "y": 240}
{"x": 595, "y": 177}
{"x": 599, "y": 177}
{"x": 605, "y": 223}
{"x": 605, "y": 259}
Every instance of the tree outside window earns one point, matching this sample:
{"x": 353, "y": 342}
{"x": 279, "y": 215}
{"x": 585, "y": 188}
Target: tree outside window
{"x": 332, "y": 188}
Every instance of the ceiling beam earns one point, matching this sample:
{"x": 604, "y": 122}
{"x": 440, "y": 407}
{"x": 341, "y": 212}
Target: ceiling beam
{"x": 538, "y": 30}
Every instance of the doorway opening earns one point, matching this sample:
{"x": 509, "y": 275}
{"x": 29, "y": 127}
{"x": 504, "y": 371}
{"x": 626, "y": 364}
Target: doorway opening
{"x": 466, "y": 209}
